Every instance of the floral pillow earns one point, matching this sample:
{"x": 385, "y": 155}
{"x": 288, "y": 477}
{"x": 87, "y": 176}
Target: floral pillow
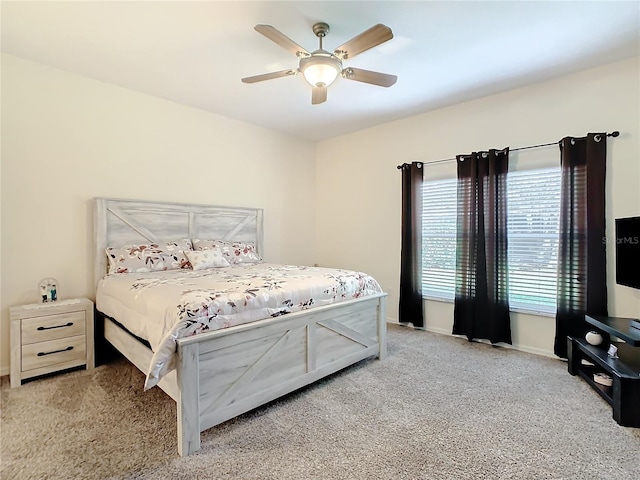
{"x": 234, "y": 252}
{"x": 149, "y": 257}
{"x": 209, "y": 258}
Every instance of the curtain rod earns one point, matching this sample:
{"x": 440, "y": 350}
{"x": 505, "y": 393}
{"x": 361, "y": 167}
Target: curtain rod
{"x": 612, "y": 134}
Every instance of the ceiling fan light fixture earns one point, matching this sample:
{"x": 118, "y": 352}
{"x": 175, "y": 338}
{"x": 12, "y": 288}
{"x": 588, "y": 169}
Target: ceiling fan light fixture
{"x": 321, "y": 68}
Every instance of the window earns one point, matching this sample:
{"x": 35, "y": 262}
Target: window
{"x": 533, "y": 218}
{"x": 533, "y": 212}
{"x": 439, "y": 239}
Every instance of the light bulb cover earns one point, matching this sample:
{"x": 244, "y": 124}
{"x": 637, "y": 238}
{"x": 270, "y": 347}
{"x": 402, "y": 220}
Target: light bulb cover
{"x": 321, "y": 68}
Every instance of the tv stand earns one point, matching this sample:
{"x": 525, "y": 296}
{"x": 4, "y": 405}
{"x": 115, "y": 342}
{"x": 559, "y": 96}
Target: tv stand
{"x": 624, "y": 394}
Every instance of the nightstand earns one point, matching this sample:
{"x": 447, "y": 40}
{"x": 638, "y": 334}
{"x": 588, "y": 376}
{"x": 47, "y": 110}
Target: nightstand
{"x": 49, "y": 337}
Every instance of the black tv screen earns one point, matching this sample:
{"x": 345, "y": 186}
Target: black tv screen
{"x": 628, "y": 251}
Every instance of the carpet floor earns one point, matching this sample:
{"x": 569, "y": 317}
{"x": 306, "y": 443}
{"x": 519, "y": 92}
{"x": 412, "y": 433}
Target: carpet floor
{"x": 438, "y": 407}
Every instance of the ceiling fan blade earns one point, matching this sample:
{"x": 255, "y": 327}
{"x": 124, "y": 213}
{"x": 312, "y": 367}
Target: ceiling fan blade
{"x": 318, "y": 95}
{"x": 269, "y": 76}
{"x": 368, "y": 39}
{"x": 367, "y": 76}
{"x": 281, "y": 39}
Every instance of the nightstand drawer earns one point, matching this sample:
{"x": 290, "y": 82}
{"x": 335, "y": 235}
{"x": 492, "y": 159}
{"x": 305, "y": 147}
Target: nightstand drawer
{"x": 52, "y": 327}
{"x": 43, "y": 354}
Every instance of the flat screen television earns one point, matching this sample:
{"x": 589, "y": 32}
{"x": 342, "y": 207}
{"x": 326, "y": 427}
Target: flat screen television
{"x": 628, "y": 251}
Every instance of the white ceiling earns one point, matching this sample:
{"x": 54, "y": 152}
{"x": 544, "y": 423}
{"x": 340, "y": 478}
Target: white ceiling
{"x": 443, "y": 52}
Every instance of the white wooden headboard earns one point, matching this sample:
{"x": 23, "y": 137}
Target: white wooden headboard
{"x": 125, "y": 222}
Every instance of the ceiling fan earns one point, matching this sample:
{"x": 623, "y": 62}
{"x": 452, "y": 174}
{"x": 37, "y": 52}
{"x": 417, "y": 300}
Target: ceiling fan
{"x": 320, "y": 67}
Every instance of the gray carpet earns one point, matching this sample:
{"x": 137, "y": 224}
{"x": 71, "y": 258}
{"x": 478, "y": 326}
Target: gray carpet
{"x": 437, "y": 408}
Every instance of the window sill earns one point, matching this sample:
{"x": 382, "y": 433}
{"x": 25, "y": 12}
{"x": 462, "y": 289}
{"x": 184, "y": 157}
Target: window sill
{"x": 533, "y": 312}
{"x": 437, "y": 299}
{"x": 538, "y": 313}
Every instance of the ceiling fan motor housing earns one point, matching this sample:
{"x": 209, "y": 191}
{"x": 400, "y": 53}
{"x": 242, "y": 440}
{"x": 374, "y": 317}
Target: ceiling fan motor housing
{"x": 320, "y": 29}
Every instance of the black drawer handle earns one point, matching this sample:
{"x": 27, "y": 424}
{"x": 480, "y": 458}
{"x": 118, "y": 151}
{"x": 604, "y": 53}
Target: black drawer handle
{"x": 42, "y": 354}
{"x": 55, "y": 326}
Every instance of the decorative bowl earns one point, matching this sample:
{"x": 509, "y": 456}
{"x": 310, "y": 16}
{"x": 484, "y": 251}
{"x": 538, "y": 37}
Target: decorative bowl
{"x": 603, "y": 379}
{"x": 593, "y": 338}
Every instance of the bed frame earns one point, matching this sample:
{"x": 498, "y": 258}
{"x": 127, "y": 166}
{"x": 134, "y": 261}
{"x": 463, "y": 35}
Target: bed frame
{"x": 222, "y": 374}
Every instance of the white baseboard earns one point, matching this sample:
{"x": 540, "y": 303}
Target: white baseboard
{"x": 521, "y": 348}
{"x": 534, "y": 350}
{"x": 441, "y": 331}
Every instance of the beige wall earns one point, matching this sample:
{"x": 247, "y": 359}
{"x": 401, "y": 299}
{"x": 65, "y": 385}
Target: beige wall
{"x": 67, "y": 139}
{"x": 358, "y": 185}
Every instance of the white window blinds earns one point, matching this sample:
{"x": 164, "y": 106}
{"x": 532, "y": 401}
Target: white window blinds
{"x": 439, "y": 239}
{"x": 533, "y": 210}
{"x": 533, "y": 214}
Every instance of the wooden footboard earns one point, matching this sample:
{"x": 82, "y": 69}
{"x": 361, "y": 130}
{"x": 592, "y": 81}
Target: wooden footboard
{"x": 222, "y": 374}
{"x": 242, "y": 368}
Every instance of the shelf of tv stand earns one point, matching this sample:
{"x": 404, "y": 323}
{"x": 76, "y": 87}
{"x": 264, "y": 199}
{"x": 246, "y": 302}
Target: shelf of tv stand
{"x": 621, "y": 328}
{"x": 624, "y": 394}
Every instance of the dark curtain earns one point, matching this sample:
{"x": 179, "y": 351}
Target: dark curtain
{"x": 411, "y": 254}
{"x": 582, "y": 282}
{"x": 481, "y": 307}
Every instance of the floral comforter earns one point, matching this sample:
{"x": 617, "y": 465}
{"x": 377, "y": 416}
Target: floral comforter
{"x": 161, "y": 307}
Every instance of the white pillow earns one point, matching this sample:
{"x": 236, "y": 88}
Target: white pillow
{"x": 210, "y": 258}
{"x": 149, "y": 257}
{"x": 234, "y": 252}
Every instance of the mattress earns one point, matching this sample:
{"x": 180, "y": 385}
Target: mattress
{"x": 161, "y": 307}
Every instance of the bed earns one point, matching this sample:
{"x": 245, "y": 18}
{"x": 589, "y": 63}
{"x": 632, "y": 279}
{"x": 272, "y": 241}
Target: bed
{"x": 219, "y": 374}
